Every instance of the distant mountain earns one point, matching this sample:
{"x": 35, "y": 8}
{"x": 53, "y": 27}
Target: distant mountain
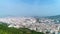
{"x": 54, "y": 17}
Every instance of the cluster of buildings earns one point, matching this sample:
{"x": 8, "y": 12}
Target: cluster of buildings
{"x": 47, "y": 26}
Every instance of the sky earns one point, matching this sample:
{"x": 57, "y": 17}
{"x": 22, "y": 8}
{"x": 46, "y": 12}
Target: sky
{"x": 29, "y": 7}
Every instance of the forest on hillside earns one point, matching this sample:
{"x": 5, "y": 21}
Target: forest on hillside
{"x": 5, "y": 30}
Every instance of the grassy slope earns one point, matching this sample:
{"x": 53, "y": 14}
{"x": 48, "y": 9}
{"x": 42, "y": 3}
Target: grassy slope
{"x": 5, "y": 30}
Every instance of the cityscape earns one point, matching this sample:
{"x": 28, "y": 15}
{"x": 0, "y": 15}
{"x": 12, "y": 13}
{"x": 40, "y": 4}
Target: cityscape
{"x": 37, "y": 24}
{"x": 29, "y": 16}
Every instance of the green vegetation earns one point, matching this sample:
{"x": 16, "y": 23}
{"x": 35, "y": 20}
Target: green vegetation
{"x": 5, "y": 30}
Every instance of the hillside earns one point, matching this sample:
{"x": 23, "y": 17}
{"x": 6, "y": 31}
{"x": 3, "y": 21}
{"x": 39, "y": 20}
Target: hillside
{"x": 54, "y": 17}
{"x": 5, "y": 30}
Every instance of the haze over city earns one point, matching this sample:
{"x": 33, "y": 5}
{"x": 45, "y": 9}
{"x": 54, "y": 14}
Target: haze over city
{"x": 29, "y": 7}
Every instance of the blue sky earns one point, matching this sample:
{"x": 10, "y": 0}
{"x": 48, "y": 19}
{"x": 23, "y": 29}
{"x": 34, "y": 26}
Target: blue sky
{"x": 29, "y": 7}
